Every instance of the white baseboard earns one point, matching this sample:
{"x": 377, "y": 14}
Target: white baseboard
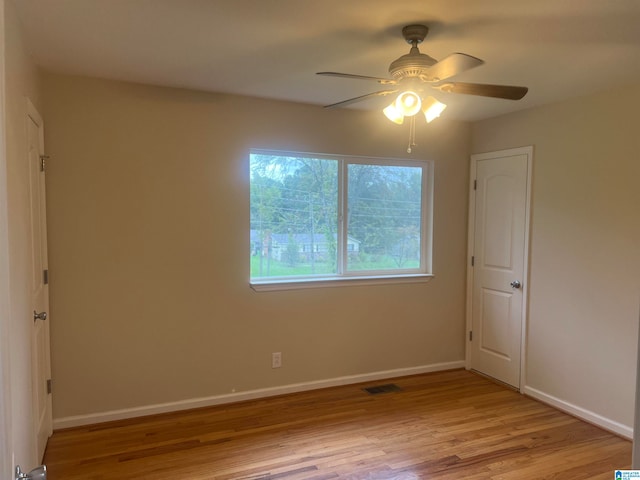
{"x": 583, "y": 414}
{"x": 100, "y": 417}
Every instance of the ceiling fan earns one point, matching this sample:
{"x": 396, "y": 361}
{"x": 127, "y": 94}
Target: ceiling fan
{"x": 412, "y": 72}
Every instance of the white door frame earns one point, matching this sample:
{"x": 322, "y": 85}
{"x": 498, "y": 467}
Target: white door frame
{"x": 528, "y": 150}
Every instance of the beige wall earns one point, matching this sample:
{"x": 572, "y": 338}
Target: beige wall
{"x": 148, "y": 219}
{"x": 585, "y": 247}
{"x": 148, "y": 210}
{"x": 21, "y": 81}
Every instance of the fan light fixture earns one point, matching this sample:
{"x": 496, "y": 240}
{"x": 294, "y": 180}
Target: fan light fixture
{"x": 409, "y": 103}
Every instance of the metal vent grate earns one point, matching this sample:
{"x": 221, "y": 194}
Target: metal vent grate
{"x": 387, "y": 388}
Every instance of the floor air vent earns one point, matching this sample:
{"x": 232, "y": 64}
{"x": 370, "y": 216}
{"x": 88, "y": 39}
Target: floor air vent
{"x": 388, "y": 388}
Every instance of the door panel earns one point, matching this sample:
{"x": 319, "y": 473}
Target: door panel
{"x": 494, "y": 311}
{"x": 40, "y": 356}
{"x": 498, "y": 221}
{"x": 498, "y": 241}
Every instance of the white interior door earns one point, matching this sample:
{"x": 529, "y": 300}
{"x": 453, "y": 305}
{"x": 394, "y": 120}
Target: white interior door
{"x": 41, "y": 364}
{"x": 498, "y": 234}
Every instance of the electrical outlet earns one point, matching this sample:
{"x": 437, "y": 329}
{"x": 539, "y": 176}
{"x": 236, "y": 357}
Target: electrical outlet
{"x": 276, "y": 360}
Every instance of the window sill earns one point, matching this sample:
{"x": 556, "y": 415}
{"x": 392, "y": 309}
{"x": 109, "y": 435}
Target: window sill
{"x": 294, "y": 284}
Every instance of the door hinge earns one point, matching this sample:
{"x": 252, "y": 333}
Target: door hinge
{"x": 475, "y": 184}
{"x": 470, "y": 335}
{"x": 49, "y": 385}
{"x": 43, "y": 162}
{"x": 473, "y": 260}
{"x": 45, "y": 277}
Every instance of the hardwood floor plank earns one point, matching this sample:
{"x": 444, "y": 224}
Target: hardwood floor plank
{"x": 446, "y": 425}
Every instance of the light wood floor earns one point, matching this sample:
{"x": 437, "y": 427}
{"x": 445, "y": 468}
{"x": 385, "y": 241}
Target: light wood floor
{"x": 449, "y": 425}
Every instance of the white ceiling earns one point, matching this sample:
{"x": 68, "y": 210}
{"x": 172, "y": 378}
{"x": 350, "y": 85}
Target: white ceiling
{"x": 272, "y": 48}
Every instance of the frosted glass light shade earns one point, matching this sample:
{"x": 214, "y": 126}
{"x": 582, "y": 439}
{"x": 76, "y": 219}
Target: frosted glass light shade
{"x": 408, "y": 103}
{"x": 393, "y": 114}
{"x": 432, "y": 108}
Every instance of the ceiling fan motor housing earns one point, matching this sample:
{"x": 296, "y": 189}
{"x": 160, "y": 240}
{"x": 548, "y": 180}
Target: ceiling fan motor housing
{"x": 415, "y": 33}
{"x": 413, "y": 64}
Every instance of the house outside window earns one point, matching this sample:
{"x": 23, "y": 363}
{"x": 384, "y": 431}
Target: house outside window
{"x": 320, "y": 219}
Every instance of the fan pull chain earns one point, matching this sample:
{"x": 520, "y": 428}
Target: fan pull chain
{"x": 412, "y": 133}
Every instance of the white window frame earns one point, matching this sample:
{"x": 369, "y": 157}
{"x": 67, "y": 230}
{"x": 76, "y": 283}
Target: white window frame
{"x": 342, "y": 278}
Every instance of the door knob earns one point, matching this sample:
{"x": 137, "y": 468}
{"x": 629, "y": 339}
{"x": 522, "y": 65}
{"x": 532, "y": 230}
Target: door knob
{"x": 516, "y": 284}
{"x": 39, "y": 316}
{"x": 38, "y": 473}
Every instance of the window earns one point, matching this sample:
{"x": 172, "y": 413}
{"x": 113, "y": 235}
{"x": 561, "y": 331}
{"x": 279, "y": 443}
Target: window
{"x": 319, "y": 219}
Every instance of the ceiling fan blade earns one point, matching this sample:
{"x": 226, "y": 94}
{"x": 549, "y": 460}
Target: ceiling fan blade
{"x": 450, "y": 66}
{"x": 344, "y": 103}
{"x": 383, "y": 81}
{"x": 508, "y": 92}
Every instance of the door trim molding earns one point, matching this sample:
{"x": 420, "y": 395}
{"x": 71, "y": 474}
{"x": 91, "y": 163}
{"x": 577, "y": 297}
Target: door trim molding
{"x": 6, "y": 433}
{"x": 528, "y": 151}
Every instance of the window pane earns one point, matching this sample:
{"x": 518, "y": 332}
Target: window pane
{"x": 384, "y": 217}
{"x": 294, "y": 205}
